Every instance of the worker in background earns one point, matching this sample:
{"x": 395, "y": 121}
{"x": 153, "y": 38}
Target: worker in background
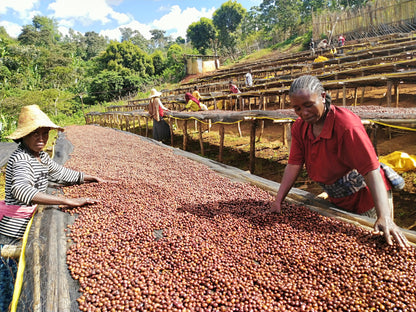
{"x": 28, "y": 171}
{"x": 341, "y": 43}
{"x": 233, "y": 88}
{"x": 338, "y": 154}
{"x": 249, "y": 79}
{"x": 193, "y": 104}
{"x": 312, "y": 47}
{"x": 322, "y": 45}
{"x": 161, "y": 129}
{"x": 196, "y": 93}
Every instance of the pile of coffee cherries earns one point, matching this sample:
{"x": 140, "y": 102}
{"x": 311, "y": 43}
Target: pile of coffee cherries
{"x": 172, "y": 235}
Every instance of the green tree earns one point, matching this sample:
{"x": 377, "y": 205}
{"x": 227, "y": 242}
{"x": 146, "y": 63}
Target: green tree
{"x": 227, "y": 19}
{"x": 4, "y": 36}
{"x": 159, "y": 62}
{"x": 43, "y": 32}
{"x": 126, "y": 55}
{"x": 158, "y": 38}
{"x": 251, "y": 22}
{"x": 94, "y": 44}
{"x": 180, "y": 40}
{"x": 175, "y": 65}
{"x": 106, "y": 86}
{"x": 128, "y": 34}
{"x": 201, "y": 34}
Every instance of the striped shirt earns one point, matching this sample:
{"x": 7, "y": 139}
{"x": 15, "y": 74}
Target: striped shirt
{"x": 25, "y": 177}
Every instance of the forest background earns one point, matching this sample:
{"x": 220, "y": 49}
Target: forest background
{"x": 68, "y": 76}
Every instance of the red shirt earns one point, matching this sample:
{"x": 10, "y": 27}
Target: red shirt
{"x": 342, "y": 146}
{"x": 234, "y": 89}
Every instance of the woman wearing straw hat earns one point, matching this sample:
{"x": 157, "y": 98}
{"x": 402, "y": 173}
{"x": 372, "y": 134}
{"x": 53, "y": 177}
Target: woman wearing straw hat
{"x": 161, "y": 130}
{"x": 27, "y": 174}
{"x": 28, "y": 171}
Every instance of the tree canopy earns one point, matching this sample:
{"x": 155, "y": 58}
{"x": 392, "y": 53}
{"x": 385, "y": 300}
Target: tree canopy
{"x": 67, "y": 71}
{"x": 202, "y": 34}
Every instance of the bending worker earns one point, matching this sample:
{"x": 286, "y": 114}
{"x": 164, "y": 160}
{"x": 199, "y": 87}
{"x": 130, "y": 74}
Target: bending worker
{"x": 338, "y": 154}
{"x": 193, "y": 104}
{"x": 28, "y": 171}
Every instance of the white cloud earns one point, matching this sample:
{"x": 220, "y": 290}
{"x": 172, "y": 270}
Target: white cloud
{"x": 69, "y": 23}
{"x": 12, "y": 29}
{"x": 176, "y": 22}
{"x": 87, "y": 12}
{"x": 22, "y": 7}
{"x": 113, "y": 34}
{"x": 135, "y": 25}
{"x": 63, "y": 30}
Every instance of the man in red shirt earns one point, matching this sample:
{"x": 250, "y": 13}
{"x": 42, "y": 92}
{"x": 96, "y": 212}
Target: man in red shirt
{"x": 338, "y": 154}
{"x": 233, "y": 88}
{"x": 341, "y": 43}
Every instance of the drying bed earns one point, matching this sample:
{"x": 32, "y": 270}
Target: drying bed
{"x": 173, "y": 235}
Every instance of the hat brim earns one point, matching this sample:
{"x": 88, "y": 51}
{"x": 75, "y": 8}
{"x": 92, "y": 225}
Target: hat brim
{"x": 156, "y": 95}
{"x": 24, "y": 131}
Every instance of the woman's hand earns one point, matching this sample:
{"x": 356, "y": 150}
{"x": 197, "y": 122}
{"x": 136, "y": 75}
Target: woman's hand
{"x": 77, "y": 202}
{"x": 88, "y": 178}
{"x": 389, "y": 229}
{"x": 276, "y": 206}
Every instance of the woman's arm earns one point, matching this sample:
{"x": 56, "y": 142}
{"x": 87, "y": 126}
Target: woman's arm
{"x": 289, "y": 177}
{"x": 46, "y": 199}
{"x": 161, "y": 105}
{"x": 384, "y": 222}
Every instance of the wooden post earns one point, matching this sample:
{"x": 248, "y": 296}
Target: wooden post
{"x": 253, "y": 146}
{"x": 355, "y": 96}
{"x": 239, "y": 129}
{"x": 362, "y": 95}
{"x": 287, "y": 134}
{"x": 222, "y": 132}
{"x": 388, "y": 93}
{"x": 261, "y": 131}
{"x": 185, "y": 135}
{"x": 344, "y": 95}
{"x": 201, "y": 142}
{"x": 140, "y": 127}
{"x": 372, "y": 133}
{"x": 147, "y": 126}
{"x": 171, "y": 130}
{"x": 396, "y": 93}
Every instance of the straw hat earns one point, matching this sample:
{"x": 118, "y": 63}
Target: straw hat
{"x": 30, "y": 119}
{"x": 155, "y": 93}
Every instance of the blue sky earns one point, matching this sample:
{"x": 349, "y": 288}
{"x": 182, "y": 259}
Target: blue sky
{"x": 107, "y": 16}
